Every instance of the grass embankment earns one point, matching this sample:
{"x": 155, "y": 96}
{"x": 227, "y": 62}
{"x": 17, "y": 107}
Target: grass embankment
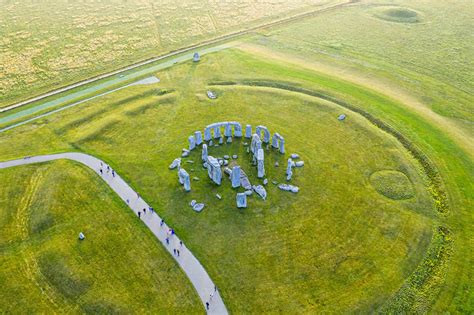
{"x": 120, "y": 267}
{"x": 337, "y": 246}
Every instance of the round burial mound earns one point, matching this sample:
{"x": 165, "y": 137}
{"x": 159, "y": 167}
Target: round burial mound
{"x": 398, "y": 14}
{"x": 392, "y": 184}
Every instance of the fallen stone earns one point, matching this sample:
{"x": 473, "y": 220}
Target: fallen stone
{"x": 244, "y": 180}
{"x": 198, "y": 207}
{"x": 221, "y": 162}
{"x": 221, "y": 140}
{"x": 286, "y": 187}
{"x": 204, "y": 165}
{"x": 341, "y": 117}
{"x": 226, "y": 162}
{"x": 192, "y": 203}
{"x": 185, "y": 150}
{"x": 277, "y": 164}
{"x": 190, "y": 161}
{"x": 245, "y": 144}
{"x": 235, "y": 156}
{"x": 248, "y": 192}
{"x": 229, "y": 140}
{"x": 275, "y": 182}
{"x": 176, "y": 163}
{"x": 185, "y": 154}
{"x": 241, "y": 200}
{"x": 265, "y": 181}
{"x": 218, "y": 196}
{"x": 195, "y": 178}
{"x": 295, "y": 156}
{"x": 211, "y": 143}
{"x": 260, "y": 190}
{"x": 299, "y": 164}
{"x": 226, "y": 157}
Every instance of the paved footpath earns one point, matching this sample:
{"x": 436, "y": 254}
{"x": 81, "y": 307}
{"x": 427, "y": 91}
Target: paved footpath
{"x": 190, "y": 265}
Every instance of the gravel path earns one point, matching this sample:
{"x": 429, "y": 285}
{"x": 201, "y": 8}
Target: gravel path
{"x": 190, "y": 265}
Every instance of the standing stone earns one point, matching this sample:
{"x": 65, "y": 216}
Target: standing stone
{"x": 204, "y": 152}
{"x": 214, "y": 170}
{"x": 235, "y": 176}
{"x": 198, "y": 137}
{"x": 260, "y": 164}
{"x": 248, "y": 131}
{"x": 184, "y": 179}
{"x": 282, "y": 145}
{"x": 275, "y": 140}
{"x": 229, "y": 140}
{"x": 192, "y": 143}
{"x": 266, "y": 135}
{"x": 221, "y": 140}
{"x": 228, "y": 130}
{"x": 289, "y": 171}
{"x": 241, "y": 199}
{"x": 217, "y": 131}
{"x": 237, "y": 130}
{"x": 256, "y": 144}
{"x": 207, "y": 134}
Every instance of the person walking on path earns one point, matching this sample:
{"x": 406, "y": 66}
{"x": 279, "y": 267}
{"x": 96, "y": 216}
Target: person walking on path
{"x": 151, "y": 209}
{"x": 108, "y": 168}
{"x": 167, "y": 241}
{"x": 177, "y": 252}
{"x": 174, "y": 251}
{"x": 144, "y": 210}
{"x": 181, "y": 243}
{"x": 139, "y": 214}
{"x": 100, "y": 171}
{"x": 211, "y": 296}
{"x": 207, "y": 305}
{"x": 113, "y": 173}
{"x": 162, "y": 222}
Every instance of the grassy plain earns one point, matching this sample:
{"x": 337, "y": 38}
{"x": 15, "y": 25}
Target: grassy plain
{"x": 48, "y": 44}
{"x": 120, "y": 267}
{"x": 283, "y": 254}
{"x": 431, "y": 59}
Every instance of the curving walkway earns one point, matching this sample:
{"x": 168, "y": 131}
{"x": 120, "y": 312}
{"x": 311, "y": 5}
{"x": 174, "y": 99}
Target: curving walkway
{"x": 190, "y": 265}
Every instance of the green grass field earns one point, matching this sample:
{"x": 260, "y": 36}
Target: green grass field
{"x": 119, "y": 268}
{"x": 284, "y": 254}
{"x": 48, "y": 44}
{"x": 382, "y": 222}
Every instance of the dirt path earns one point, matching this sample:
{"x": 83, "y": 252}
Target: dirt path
{"x": 379, "y": 85}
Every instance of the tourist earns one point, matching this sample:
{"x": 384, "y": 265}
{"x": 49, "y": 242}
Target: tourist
{"x": 162, "y": 222}
{"x": 151, "y": 209}
{"x": 174, "y": 251}
{"x": 172, "y": 231}
{"x": 207, "y": 305}
{"x": 139, "y": 214}
{"x": 100, "y": 171}
{"x": 144, "y": 210}
{"x": 128, "y": 201}
{"x": 113, "y": 173}
{"x": 177, "y": 251}
{"x": 211, "y": 296}
{"x": 167, "y": 241}
{"x": 181, "y": 243}
{"x": 108, "y": 168}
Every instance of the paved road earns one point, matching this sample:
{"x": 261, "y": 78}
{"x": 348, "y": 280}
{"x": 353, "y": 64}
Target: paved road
{"x": 190, "y": 265}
